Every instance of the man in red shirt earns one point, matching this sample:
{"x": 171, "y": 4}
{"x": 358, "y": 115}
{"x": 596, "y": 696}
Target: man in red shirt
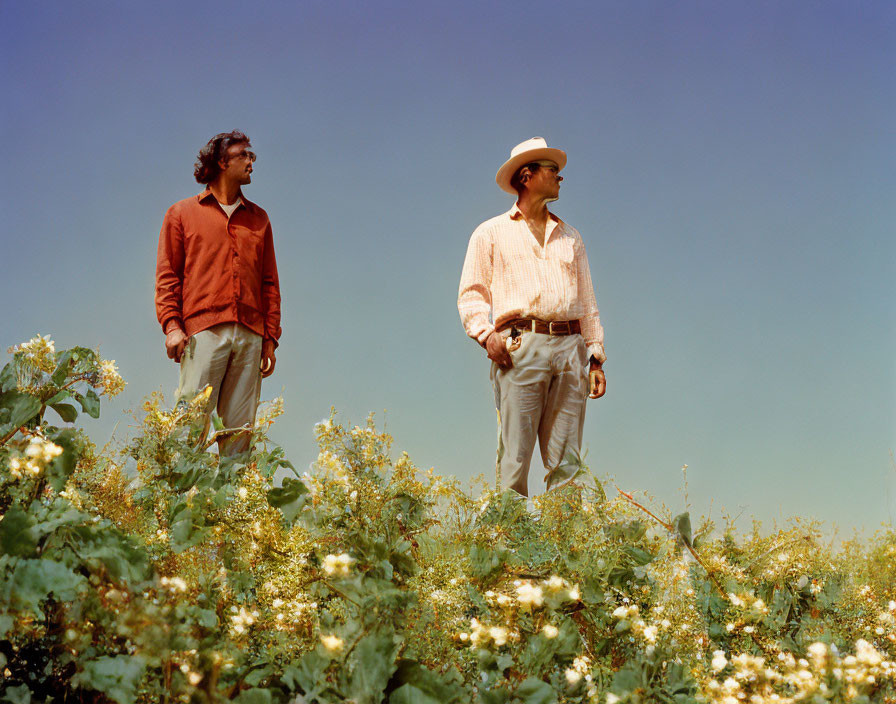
{"x": 217, "y": 289}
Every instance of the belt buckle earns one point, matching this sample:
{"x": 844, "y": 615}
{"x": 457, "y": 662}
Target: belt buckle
{"x": 551, "y": 326}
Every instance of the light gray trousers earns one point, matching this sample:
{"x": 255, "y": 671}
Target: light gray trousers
{"x": 541, "y": 397}
{"x": 227, "y": 357}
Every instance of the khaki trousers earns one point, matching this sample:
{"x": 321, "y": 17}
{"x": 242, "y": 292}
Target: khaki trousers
{"x": 227, "y": 357}
{"x": 541, "y": 397}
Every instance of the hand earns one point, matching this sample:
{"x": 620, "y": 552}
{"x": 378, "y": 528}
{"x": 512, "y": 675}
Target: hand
{"x": 497, "y": 350}
{"x": 175, "y": 341}
{"x": 597, "y": 381}
{"x": 268, "y": 359}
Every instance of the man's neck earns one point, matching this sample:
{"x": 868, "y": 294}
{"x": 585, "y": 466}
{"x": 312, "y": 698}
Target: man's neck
{"x": 225, "y": 190}
{"x": 534, "y": 210}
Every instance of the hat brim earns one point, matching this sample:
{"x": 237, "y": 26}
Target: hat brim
{"x": 510, "y": 167}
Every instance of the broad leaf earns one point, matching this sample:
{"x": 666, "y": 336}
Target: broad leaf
{"x": 117, "y": 677}
{"x": 66, "y": 411}
{"x": 534, "y": 691}
{"x": 289, "y": 498}
{"x": 19, "y": 534}
{"x": 35, "y": 580}
{"x": 374, "y": 658}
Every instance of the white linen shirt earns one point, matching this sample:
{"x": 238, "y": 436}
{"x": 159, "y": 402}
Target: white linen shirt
{"x": 508, "y": 275}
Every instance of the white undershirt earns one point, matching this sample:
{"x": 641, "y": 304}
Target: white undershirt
{"x": 230, "y": 208}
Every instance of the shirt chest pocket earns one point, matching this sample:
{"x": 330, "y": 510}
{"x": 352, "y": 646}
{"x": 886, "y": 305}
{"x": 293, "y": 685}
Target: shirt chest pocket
{"x": 563, "y": 252}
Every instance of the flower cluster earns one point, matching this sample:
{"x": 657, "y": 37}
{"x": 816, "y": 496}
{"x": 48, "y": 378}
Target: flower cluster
{"x": 110, "y": 379}
{"x": 39, "y": 352}
{"x": 241, "y": 619}
{"x": 338, "y": 565}
{"x": 825, "y": 676}
{"x": 483, "y": 636}
{"x": 34, "y": 459}
{"x": 174, "y": 584}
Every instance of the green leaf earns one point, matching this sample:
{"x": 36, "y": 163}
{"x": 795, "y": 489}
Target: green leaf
{"x": 34, "y": 580}
{"x": 6, "y": 624}
{"x": 534, "y": 691}
{"x": 628, "y": 679}
{"x": 19, "y": 534}
{"x": 428, "y": 683}
{"x": 409, "y": 694}
{"x": 681, "y": 524}
{"x": 289, "y": 498}
{"x": 485, "y": 562}
{"x": 117, "y": 677}
{"x": 374, "y": 658}
{"x": 17, "y": 695}
{"x": 66, "y": 411}
{"x": 90, "y": 402}
{"x": 61, "y": 396}
{"x": 307, "y": 674}
{"x": 641, "y": 557}
{"x": 254, "y": 696}
{"x": 123, "y": 558}
{"x": 62, "y": 466}
{"x": 8, "y": 377}
{"x": 20, "y": 409}
{"x": 63, "y": 364}
{"x": 494, "y": 696}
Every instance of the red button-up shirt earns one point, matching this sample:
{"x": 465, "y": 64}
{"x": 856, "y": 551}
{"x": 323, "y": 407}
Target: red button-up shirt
{"x": 213, "y": 269}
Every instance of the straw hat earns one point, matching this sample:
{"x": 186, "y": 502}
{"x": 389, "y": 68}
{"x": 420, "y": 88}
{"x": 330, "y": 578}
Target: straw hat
{"x": 534, "y": 149}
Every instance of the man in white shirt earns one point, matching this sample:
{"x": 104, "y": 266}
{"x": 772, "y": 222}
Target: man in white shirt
{"x": 526, "y": 297}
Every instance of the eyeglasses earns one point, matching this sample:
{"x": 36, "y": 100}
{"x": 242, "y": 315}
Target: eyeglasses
{"x": 245, "y": 154}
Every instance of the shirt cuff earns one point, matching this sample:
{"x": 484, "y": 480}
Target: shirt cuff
{"x": 597, "y": 351}
{"x": 483, "y": 336}
{"x": 172, "y": 324}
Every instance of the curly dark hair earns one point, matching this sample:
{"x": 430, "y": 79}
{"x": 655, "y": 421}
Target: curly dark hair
{"x": 206, "y": 168}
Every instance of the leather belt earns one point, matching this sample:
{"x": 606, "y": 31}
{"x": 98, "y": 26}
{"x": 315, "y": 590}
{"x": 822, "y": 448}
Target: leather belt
{"x": 545, "y": 327}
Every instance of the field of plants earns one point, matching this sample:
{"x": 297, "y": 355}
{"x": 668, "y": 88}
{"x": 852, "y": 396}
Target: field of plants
{"x": 149, "y": 572}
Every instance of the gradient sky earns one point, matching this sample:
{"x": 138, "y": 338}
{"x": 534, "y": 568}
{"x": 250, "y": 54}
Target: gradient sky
{"x": 731, "y": 169}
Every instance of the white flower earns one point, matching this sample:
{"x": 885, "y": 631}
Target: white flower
{"x": 573, "y": 677}
{"x": 719, "y": 661}
{"x": 498, "y": 634}
{"x": 243, "y": 492}
{"x": 620, "y": 612}
{"x": 867, "y": 654}
{"x": 332, "y": 643}
{"x": 550, "y": 631}
{"x": 555, "y": 583}
{"x": 649, "y": 634}
{"x": 529, "y": 595}
{"x": 338, "y": 565}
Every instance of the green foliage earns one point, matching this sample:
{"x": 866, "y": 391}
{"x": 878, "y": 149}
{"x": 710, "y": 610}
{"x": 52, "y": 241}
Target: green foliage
{"x": 154, "y": 572}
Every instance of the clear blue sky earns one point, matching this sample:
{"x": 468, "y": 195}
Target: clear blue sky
{"x": 731, "y": 169}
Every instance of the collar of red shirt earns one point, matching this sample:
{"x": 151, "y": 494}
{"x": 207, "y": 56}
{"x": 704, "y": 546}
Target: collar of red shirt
{"x": 208, "y": 193}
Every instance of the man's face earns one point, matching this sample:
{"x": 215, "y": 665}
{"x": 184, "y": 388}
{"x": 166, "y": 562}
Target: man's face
{"x": 545, "y": 182}
{"x": 238, "y": 164}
